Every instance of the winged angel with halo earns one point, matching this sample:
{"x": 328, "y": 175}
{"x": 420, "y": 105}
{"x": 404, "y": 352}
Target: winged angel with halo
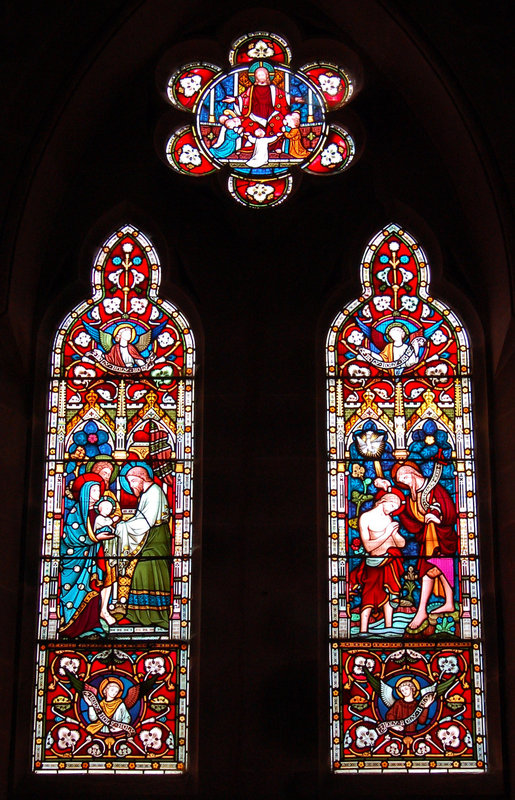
{"x": 108, "y": 710}
{"x": 407, "y": 702}
{"x": 397, "y": 348}
{"x": 122, "y": 348}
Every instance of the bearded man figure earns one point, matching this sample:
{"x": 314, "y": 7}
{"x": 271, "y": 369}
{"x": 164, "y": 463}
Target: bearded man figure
{"x": 430, "y": 515}
{"x": 145, "y": 538}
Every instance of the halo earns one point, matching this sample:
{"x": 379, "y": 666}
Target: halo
{"x": 398, "y": 465}
{"x": 414, "y": 681}
{"x": 86, "y": 477}
{"x": 397, "y": 324}
{"x": 125, "y": 325}
{"x": 106, "y": 681}
{"x": 256, "y": 65}
{"x": 105, "y": 498}
{"x": 103, "y": 457}
{"x": 130, "y": 465}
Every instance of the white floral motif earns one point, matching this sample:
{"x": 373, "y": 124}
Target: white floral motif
{"x": 124, "y": 750}
{"x": 439, "y": 337}
{"x": 330, "y": 84}
{"x": 259, "y": 192}
{"x": 67, "y": 739}
{"x": 152, "y": 738}
{"x": 448, "y": 664}
{"x": 111, "y": 304}
{"x": 400, "y": 655}
{"x": 383, "y": 274}
{"x": 70, "y": 664}
{"x": 82, "y": 339}
{"x": 82, "y": 375}
{"x": 155, "y": 666}
{"x": 382, "y": 303}
{"x": 137, "y": 277}
{"x": 393, "y": 748}
{"x": 95, "y": 750}
{"x": 331, "y": 155}
{"x": 365, "y": 737}
{"x": 165, "y": 339}
{"x": 422, "y": 749}
{"x": 114, "y": 277}
{"x": 189, "y": 156}
{"x": 260, "y": 50}
{"x": 437, "y": 371}
{"x": 449, "y": 737}
{"x": 406, "y": 274}
{"x": 190, "y": 84}
{"x": 409, "y": 303}
{"x": 360, "y": 662}
{"x": 358, "y": 373}
{"x": 139, "y": 304}
{"x": 356, "y": 337}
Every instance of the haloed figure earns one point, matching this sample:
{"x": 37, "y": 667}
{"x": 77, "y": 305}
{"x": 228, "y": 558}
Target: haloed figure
{"x": 123, "y": 353}
{"x": 112, "y": 705}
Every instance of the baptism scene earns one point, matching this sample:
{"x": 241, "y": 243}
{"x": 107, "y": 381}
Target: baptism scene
{"x": 405, "y": 625}
{"x": 403, "y": 540}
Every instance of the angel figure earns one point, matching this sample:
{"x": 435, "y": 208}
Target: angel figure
{"x": 408, "y": 703}
{"x": 110, "y": 713}
{"x": 122, "y": 350}
{"x": 123, "y": 353}
{"x": 396, "y": 349}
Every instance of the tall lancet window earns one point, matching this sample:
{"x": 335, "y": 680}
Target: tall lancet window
{"x": 114, "y": 617}
{"x": 406, "y": 664}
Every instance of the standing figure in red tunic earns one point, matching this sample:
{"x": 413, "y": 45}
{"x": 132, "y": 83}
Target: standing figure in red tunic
{"x": 431, "y": 516}
{"x": 379, "y": 575}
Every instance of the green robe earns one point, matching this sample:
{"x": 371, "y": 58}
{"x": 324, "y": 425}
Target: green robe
{"x": 146, "y": 537}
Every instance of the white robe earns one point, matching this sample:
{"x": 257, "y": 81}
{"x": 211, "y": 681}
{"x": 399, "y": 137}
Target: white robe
{"x": 152, "y": 509}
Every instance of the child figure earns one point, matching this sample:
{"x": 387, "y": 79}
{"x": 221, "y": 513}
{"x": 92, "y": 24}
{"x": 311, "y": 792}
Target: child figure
{"x": 260, "y": 155}
{"x": 104, "y": 524}
{"x": 380, "y": 574}
{"x": 293, "y": 144}
{"x": 230, "y": 133}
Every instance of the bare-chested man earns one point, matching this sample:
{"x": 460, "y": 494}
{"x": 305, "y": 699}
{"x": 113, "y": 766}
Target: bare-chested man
{"x": 380, "y": 574}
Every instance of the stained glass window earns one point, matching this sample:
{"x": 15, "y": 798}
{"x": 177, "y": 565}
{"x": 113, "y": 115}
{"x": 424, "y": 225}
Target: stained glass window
{"x": 114, "y": 617}
{"x": 406, "y": 662}
{"x": 260, "y": 119}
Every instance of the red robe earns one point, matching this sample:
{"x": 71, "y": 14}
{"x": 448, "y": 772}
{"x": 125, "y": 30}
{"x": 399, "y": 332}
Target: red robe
{"x": 268, "y": 103}
{"x": 402, "y": 709}
{"x": 434, "y": 539}
{"x": 379, "y": 584}
{"x": 114, "y": 355}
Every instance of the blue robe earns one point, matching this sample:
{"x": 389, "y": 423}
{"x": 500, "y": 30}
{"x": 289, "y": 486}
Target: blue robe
{"x": 81, "y": 575}
{"x": 228, "y": 145}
